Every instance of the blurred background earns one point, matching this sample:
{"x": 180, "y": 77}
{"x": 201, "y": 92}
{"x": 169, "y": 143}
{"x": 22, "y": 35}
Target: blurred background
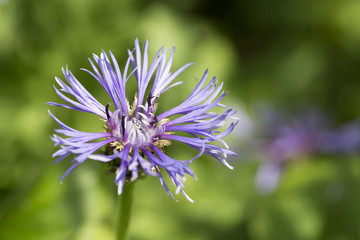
{"x": 282, "y": 55}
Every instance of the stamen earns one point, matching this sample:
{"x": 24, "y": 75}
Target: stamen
{"x": 154, "y": 121}
{"x": 123, "y": 123}
{"x": 149, "y": 99}
{"x": 107, "y": 111}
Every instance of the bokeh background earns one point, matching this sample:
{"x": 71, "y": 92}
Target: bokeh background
{"x": 281, "y": 53}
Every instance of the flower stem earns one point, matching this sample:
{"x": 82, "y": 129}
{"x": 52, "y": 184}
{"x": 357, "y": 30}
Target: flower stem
{"x": 124, "y": 211}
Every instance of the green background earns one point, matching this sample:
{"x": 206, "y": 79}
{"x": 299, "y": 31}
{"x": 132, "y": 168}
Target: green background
{"x": 283, "y": 53}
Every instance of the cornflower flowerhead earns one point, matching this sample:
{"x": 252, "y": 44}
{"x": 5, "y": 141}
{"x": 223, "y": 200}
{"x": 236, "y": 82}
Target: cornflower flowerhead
{"x": 135, "y": 136}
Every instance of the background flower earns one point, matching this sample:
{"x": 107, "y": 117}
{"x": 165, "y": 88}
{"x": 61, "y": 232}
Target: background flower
{"x": 297, "y": 136}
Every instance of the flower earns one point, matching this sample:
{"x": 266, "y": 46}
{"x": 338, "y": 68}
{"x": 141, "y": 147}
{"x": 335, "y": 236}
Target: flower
{"x": 135, "y": 136}
{"x": 306, "y": 134}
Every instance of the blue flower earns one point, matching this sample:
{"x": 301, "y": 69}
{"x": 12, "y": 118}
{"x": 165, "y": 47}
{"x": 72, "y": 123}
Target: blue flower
{"x": 304, "y": 134}
{"x": 135, "y": 136}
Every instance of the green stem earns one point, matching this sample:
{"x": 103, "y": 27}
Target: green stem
{"x": 124, "y": 211}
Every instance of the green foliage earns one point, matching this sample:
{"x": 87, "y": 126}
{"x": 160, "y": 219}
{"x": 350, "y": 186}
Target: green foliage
{"x": 285, "y": 52}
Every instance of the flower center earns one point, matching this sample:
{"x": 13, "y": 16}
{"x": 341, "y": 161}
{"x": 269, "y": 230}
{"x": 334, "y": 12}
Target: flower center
{"x": 140, "y": 130}
{"x": 137, "y": 132}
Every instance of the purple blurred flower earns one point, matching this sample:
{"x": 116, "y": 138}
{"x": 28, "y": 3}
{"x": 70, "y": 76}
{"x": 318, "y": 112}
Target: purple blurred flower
{"x": 307, "y": 134}
{"x": 135, "y": 136}
{"x": 342, "y": 141}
